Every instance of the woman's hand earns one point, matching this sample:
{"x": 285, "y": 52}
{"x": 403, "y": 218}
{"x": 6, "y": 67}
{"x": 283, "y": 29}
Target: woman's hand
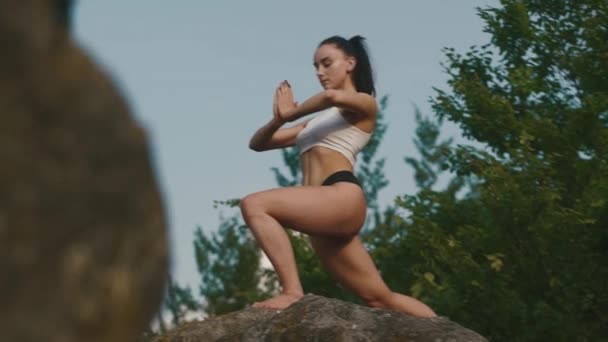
{"x": 283, "y": 101}
{"x": 275, "y": 108}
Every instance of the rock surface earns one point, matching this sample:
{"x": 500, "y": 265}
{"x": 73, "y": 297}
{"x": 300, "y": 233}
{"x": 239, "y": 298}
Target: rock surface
{"x": 320, "y": 319}
{"x": 83, "y": 247}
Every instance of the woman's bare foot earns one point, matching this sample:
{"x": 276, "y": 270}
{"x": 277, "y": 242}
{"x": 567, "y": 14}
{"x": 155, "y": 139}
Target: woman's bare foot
{"x": 280, "y": 301}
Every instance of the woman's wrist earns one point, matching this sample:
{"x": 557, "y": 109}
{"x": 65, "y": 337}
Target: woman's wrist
{"x": 289, "y": 115}
{"x": 277, "y": 121}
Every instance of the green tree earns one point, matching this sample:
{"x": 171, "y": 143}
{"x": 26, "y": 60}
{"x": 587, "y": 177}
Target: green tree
{"x": 433, "y": 155}
{"x": 520, "y": 256}
{"x": 178, "y": 301}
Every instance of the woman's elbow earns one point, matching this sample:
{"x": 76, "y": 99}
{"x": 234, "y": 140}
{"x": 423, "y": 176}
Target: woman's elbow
{"x": 257, "y": 147}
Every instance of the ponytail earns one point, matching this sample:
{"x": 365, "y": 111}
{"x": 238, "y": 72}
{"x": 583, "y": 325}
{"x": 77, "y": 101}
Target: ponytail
{"x": 356, "y": 47}
{"x": 362, "y": 74}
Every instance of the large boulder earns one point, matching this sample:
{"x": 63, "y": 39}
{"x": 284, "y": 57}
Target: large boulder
{"x": 83, "y": 246}
{"x": 320, "y": 319}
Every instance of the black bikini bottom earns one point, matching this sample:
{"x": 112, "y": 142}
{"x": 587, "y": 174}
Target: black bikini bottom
{"x": 341, "y": 176}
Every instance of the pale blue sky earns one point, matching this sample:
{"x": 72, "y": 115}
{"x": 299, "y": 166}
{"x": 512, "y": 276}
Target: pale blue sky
{"x": 200, "y": 76}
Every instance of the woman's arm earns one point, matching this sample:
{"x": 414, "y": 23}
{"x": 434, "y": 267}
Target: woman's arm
{"x": 360, "y": 103}
{"x": 271, "y": 136}
{"x": 264, "y": 134}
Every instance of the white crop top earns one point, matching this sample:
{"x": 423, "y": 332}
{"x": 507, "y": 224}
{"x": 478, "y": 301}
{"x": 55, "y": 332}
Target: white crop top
{"x": 330, "y": 129}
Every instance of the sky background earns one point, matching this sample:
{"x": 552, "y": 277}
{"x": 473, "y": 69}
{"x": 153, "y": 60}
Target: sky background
{"x": 200, "y": 77}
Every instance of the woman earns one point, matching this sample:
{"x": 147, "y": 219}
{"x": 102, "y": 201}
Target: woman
{"x": 330, "y": 205}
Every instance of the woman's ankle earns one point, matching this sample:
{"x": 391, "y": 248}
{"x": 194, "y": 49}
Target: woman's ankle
{"x": 293, "y": 292}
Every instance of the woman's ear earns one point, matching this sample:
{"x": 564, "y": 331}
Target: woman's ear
{"x": 351, "y": 63}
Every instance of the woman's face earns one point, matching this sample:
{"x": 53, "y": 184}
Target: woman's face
{"x": 333, "y": 66}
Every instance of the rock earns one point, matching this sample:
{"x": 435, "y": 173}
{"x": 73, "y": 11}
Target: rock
{"x": 83, "y": 246}
{"x": 320, "y": 319}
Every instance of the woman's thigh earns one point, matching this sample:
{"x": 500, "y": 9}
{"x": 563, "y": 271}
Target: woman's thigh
{"x": 336, "y": 210}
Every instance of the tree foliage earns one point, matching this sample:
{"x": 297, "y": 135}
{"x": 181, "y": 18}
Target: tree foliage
{"x": 521, "y": 255}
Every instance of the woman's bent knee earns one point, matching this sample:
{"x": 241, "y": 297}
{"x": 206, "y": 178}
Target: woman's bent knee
{"x": 251, "y": 207}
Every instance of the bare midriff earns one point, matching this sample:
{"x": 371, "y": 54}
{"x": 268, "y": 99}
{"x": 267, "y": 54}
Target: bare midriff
{"x": 320, "y": 162}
